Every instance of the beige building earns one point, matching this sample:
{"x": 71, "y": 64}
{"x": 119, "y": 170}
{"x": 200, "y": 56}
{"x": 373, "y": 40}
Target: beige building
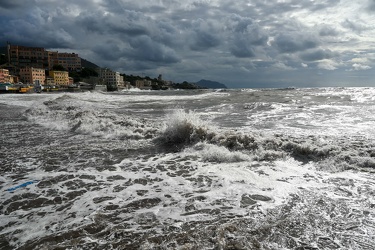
{"x": 111, "y": 77}
{"x": 50, "y": 80}
{"x": 30, "y": 75}
{"x": 60, "y": 77}
{"x": 143, "y": 84}
{"x": 4, "y": 75}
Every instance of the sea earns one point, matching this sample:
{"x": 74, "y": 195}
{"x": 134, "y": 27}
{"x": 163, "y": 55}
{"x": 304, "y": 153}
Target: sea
{"x": 188, "y": 169}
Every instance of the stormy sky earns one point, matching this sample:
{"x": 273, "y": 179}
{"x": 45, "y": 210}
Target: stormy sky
{"x": 244, "y": 43}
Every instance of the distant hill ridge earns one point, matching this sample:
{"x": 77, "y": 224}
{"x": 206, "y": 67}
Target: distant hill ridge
{"x": 87, "y": 64}
{"x": 211, "y": 84}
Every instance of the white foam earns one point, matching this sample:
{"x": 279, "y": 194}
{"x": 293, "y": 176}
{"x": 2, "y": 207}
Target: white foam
{"x": 216, "y": 177}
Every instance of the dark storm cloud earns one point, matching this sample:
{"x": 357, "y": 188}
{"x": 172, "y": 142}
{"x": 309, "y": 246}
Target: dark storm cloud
{"x": 242, "y": 49}
{"x": 109, "y": 51}
{"x": 129, "y": 23}
{"x": 371, "y": 5}
{"x": 12, "y": 4}
{"x": 317, "y": 54}
{"x": 221, "y": 38}
{"x": 144, "y": 48}
{"x": 245, "y": 35}
{"x": 204, "y": 35}
{"x": 133, "y": 35}
{"x": 32, "y": 31}
{"x": 294, "y": 42}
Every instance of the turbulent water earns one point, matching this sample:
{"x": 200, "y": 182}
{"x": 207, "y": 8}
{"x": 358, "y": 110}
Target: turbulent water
{"x": 235, "y": 169}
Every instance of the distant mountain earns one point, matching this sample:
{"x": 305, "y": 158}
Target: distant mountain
{"x": 211, "y": 84}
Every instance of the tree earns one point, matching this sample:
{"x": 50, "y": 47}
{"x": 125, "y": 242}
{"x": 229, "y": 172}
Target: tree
{"x": 87, "y": 72}
{"x": 58, "y": 67}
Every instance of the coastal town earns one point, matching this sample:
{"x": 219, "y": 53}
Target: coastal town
{"x": 34, "y": 69}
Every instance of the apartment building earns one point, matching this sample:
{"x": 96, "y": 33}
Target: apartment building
{"x": 60, "y": 77}
{"x": 4, "y": 75}
{"x": 30, "y": 75}
{"x": 70, "y": 61}
{"x": 22, "y": 56}
{"x": 143, "y": 84}
{"x": 110, "y": 77}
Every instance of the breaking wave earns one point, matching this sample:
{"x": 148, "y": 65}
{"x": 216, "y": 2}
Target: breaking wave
{"x": 185, "y": 129}
{"x": 69, "y": 114}
{"x": 91, "y": 174}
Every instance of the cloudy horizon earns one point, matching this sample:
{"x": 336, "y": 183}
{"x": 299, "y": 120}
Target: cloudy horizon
{"x": 243, "y": 44}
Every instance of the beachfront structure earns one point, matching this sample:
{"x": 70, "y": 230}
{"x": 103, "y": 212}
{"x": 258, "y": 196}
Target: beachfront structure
{"x": 143, "y": 84}
{"x": 60, "y": 77}
{"x": 50, "y": 80}
{"x": 110, "y": 77}
{"x": 30, "y": 75}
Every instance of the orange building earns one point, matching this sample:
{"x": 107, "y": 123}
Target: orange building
{"x": 4, "y": 75}
{"x": 29, "y": 75}
{"x": 60, "y": 77}
{"x": 21, "y": 56}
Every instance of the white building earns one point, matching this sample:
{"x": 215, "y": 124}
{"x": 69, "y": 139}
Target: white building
{"x": 111, "y": 77}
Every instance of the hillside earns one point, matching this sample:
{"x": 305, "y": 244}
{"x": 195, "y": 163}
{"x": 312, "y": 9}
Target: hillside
{"x": 211, "y": 84}
{"x": 87, "y": 64}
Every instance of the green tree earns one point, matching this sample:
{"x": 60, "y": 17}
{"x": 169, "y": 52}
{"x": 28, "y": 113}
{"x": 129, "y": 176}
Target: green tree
{"x": 58, "y": 67}
{"x": 87, "y": 72}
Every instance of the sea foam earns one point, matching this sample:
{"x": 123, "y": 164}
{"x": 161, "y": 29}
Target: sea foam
{"x": 75, "y": 116}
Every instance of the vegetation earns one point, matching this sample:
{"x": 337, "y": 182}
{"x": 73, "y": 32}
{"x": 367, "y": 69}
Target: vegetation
{"x": 58, "y": 67}
{"x": 3, "y": 59}
{"x": 186, "y": 85}
{"x": 87, "y": 72}
{"x": 84, "y": 73}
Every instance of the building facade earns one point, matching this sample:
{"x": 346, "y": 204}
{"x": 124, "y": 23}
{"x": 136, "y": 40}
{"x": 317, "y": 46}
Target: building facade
{"x": 4, "y": 75}
{"x": 30, "y": 75}
{"x": 110, "y": 77}
{"x": 70, "y": 61}
{"x": 60, "y": 77}
{"x": 143, "y": 84}
{"x": 22, "y": 56}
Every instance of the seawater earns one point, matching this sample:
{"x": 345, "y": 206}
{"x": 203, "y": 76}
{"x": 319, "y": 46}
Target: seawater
{"x": 203, "y": 169}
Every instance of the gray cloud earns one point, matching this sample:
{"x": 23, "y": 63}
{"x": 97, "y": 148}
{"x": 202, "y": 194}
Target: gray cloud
{"x": 356, "y": 26}
{"x": 371, "y": 5}
{"x": 245, "y": 35}
{"x": 317, "y": 54}
{"x": 230, "y": 40}
{"x": 204, "y": 35}
{"x": 328, "y": 31}
{"x": 294, "y": 42}
{"x": 144, "y": 48}
{"x": 13, "y": 4}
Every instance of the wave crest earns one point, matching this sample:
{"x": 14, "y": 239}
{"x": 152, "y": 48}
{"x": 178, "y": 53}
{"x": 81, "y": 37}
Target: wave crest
{"x": 69, "y": 114}
{"x": 185, "y": 128}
